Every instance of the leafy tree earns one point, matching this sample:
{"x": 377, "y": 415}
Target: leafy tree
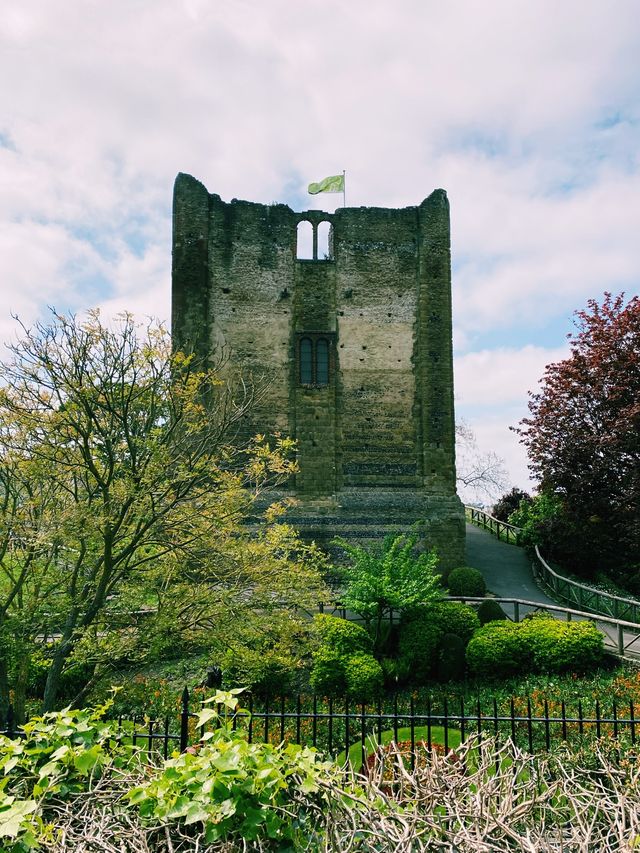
{"x": 114, "y": 451}
{"x": 583, "y": 436}
{"x": 509, "y": 503}
{"x": 393, "y": 577}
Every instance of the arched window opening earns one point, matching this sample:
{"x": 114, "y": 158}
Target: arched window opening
{"x": 304, "y": 241}
{"x": 306, "y": 361}
{"x": 325, "y": 249}
{"x": 322, "y": 361}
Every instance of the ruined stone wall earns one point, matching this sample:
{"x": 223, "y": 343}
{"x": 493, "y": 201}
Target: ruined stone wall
{"x": 376, "y": 441}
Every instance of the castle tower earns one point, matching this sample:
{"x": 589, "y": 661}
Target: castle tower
{"x": 353, "y": 345}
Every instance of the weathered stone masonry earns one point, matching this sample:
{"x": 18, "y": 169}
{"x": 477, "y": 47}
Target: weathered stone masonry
{"x": 356, "y": 348}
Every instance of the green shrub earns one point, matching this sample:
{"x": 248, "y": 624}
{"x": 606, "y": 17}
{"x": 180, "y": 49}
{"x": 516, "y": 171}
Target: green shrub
{"x": 451, "y": 658}
{"x": 466, "y": 581}
{"x": 556, "y": 646}
{"x": 364, "y": 676}
{"x": 417, "y": 647}
{"x": 343, "y": 662}
{"x": 328, "y": 676}
{"x": 497, "y": 649}
{"x": 490, "y": 611}
{"x": 453, "y": 617}
{"x": 341, "y": 635}
{"x": 540, "y": 644}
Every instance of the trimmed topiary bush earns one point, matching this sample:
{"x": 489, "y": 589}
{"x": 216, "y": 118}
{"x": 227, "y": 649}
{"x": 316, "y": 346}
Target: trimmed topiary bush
{"x": 466, "y": 581}
{"x": 453, "y": 617}
{"x": 364, "y": 676}
{"x": 340, "y": 635}
{"x": 343, "y": 662}
{"x": 490, "y": 611}
{"x": 540, "y": 644}
{"x": 451, "y": 658}
{"x": 417, "y": 647}
{"x": 497, "y": 649}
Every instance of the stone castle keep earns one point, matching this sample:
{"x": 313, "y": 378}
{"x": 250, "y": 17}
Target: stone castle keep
{"x": 355, "y": 345}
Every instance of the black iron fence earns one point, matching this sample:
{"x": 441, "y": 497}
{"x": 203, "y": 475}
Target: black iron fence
{"x": 348, "y": 730}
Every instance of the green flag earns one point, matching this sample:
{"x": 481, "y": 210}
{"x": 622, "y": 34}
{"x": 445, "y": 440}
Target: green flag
{"x": 333, "y": 184}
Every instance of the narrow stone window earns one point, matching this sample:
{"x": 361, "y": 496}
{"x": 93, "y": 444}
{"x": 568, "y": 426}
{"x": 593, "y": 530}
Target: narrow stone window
{"x": 306, "y": 361}
{"x": 322, "y": 361}
{"x": 325, "y": 249}
{"x": 304, "y": 241}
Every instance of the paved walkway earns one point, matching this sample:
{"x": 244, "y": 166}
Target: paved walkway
{"x": 505, "y": 568}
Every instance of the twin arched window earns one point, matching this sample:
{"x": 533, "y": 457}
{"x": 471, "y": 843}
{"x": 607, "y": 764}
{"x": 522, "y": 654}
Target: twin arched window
{"x": 314, "y": 242}
{"x": 314, "y": 361}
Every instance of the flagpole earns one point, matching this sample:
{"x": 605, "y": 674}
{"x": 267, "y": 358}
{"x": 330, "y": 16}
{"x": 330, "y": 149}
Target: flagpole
{"x": 344, "y": 188}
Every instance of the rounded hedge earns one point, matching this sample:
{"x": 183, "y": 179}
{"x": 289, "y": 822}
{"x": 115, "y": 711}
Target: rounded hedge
{"x": 341, "y": 635}
{"x": 556, "y": 646}
{"x": 364, "y": 676}
{"x": 490, "y": 611}
{"x": 497, "y": 649}
{"x": 541, "y": 644}
{"x": 453, "y": 617}
{"x": 466, "y": 581}
{"x": 417, "y": 647}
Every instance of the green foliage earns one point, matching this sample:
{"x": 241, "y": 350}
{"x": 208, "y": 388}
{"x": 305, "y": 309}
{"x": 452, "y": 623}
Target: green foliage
{"x": 541, "y": 644}
{"x": 540, "y": 518}
{"x": 466, "y": 581}
{"x": 385, "y": 579}
{"x": 451, "y": 658}
{"x": 556, "y": 646}
{"x": 341, "y": 635}
{"x": 237, "y": 790}
{"x": 490, "y": 611}
{"x": 497, "y": 650}
{"x": 452, "y": 617}
{"x": 343, "y": 662}
{"x": 59, "y": 755}
{"x": 418, "y": 645}
{"x": 364, "y": 676}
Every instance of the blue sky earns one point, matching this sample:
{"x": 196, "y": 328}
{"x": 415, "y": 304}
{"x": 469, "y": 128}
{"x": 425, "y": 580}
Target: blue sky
{"x": 526, "y": 113}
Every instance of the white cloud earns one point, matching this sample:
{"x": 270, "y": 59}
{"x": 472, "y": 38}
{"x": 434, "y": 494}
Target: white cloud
{"x": 527, "y": 113}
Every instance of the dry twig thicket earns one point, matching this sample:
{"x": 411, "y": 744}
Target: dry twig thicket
{"x": 491, "y": 797}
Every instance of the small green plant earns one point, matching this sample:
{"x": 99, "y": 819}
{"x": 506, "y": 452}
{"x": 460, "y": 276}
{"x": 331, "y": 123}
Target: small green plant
{"x": 466, "y": 581}
{"x": 490, "y": 611}
{"x": 364, "y": 676}
{"x": 60, "y": 752}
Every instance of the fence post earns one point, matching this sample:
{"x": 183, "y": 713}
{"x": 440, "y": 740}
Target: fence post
{"x": 620, "y": 640}
{"x": 516, "y": 611}
{"x": 184, "y": 721}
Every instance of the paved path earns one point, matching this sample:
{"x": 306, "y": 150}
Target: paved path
{"x": 505, "y": 568}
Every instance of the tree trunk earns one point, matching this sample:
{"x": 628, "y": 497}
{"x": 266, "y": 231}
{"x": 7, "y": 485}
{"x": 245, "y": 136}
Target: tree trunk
{"x": 55, "y": 670}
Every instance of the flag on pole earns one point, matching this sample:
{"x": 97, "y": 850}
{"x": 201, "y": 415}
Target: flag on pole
{"x": 333, "y": 184}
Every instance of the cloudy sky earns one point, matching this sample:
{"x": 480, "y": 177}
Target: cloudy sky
{"x": 527, "y": 113}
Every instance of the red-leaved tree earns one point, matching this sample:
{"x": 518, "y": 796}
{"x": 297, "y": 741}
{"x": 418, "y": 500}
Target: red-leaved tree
{"x": 583, "y": 438}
